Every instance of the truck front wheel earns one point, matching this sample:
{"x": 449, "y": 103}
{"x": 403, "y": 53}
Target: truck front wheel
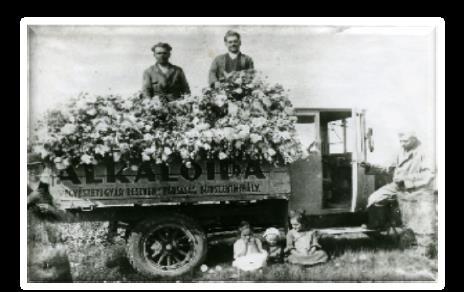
{"x": 168, "y": 245}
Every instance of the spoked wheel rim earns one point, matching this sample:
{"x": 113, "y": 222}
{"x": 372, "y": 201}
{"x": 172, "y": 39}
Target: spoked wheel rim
{"x": 169, "y": 247}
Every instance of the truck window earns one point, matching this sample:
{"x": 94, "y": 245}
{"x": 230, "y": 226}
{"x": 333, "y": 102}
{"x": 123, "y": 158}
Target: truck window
{"x": 306, "y": 130}
{"x": 340, "y": 140}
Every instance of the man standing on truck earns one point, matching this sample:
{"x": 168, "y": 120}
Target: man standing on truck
{"x": 233, "y": 60}
{"x": 164, "y": 79}
{"x": 412, "y": 186}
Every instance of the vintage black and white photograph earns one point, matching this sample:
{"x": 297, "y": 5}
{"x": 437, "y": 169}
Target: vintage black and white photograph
{"x": 194, "y": 151}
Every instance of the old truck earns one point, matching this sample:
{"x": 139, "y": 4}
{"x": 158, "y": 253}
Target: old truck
{"x": 170, "y": 213}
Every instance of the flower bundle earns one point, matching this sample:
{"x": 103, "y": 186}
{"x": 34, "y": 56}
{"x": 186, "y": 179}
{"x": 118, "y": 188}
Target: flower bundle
{"x": 244, "y": 118}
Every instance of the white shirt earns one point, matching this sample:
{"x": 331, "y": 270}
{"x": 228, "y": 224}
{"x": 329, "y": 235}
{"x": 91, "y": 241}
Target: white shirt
{"x": 232, "y": 55}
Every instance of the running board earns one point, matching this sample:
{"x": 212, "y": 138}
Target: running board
{"x": 231, "y": 236}
{"x": 344, "y": 230}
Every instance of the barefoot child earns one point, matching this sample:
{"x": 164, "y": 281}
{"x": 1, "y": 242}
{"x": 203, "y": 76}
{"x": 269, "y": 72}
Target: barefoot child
{"x": 302, "y": 245}
{"x": 249, "y": 254}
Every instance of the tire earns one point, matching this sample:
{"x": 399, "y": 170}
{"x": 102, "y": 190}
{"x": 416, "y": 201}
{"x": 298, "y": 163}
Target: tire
{"x": 168, "y": 245}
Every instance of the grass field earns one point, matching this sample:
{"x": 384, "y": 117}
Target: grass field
{"x": 354, "y": 258}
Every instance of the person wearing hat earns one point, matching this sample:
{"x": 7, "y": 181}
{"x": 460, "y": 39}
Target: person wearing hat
{"x": 163, "y": 78}
{"x": 274, "y": 245}
{"x": 47, "y": 259}
{"x": 412, "y": 187}
{"x": 233, "y": 60}
{"x": 38, "y": 195}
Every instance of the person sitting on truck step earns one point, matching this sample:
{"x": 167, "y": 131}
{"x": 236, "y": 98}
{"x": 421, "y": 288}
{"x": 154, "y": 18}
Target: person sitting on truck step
{"x": 412, "y": 187}
{"x": 302, "y": 244}
{"x": 164, "y": 79}
{"x": 249, "y": 254}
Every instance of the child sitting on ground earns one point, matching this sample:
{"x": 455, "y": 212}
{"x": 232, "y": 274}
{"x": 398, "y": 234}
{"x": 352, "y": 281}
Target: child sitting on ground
{"x": 249, "y": 254}
{"x": 302, "y": 245}
{"x": 274, "y": 245}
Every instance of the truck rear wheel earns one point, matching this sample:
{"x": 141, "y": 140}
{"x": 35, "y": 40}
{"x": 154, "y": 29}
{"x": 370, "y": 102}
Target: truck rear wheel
{"x": 168, "y": 245}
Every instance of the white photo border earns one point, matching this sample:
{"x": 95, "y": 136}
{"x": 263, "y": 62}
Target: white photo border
{"x": 438, "y": 24}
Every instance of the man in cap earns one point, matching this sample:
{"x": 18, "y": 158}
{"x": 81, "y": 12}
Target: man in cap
{"x": 47, "y": 259}
{"x": 38, "y": 194}
{"x": 412, "y": 186}
{"x": 233, "y": 60}
{"x": 163, "y": 78}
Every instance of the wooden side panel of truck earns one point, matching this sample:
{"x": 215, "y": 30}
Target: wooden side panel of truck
{"x": 115, "y": 184}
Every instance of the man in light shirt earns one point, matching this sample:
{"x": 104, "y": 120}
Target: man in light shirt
{"x": 233, "y": 60}
{"x": 412, "y": 170}
{"x": 412, "y": 187}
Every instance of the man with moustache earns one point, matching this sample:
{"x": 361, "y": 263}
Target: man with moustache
{"x": 233, "y": 60}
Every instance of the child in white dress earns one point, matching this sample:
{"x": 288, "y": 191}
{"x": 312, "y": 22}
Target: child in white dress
{"x": 249, "y": 254}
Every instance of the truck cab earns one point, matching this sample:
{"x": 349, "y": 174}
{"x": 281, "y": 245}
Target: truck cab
{"x": 330, "y": 180}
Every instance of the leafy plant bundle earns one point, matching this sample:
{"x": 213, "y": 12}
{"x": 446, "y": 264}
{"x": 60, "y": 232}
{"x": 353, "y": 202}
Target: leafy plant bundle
{"x": 244, "y": 118}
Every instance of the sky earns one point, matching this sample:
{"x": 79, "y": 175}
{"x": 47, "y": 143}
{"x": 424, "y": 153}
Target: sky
{"x": 388, "y": 71}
